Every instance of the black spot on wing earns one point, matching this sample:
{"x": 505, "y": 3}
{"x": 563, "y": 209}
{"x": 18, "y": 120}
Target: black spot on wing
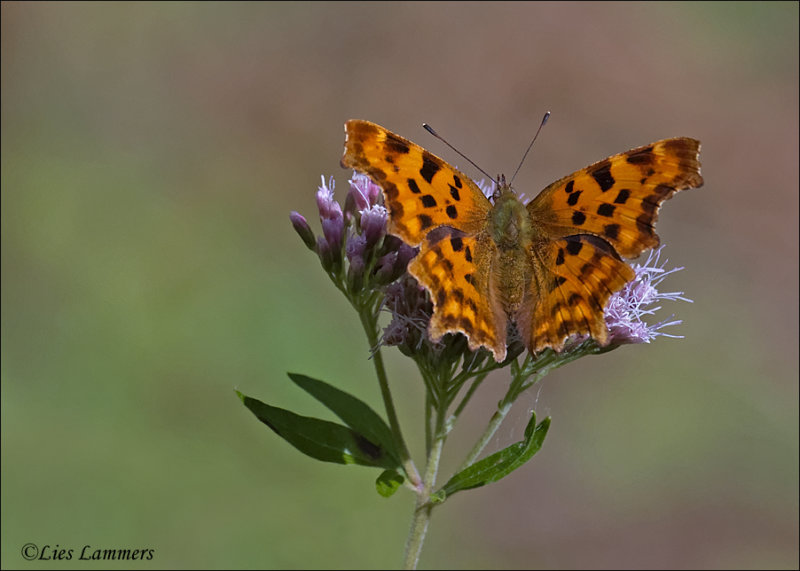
{"x": 396, "y": 209}
{"x": 606, "y": 210}
{"x": 574, "y": 247}
{"x": 447, "y": 265}
{"x": 573, "y": 198}
{"x": 412, "y": 184}
{"x": 641, "y": 157}
{"x": 396, "y": 145}
{"x": 390, "y": 190}
{"x": 429, "y": 167}
{"x": 578, "y": 218}
{"x": 452, "y": 212}
{"x": 428, "y": 201}
{"x": 602, "y": 175}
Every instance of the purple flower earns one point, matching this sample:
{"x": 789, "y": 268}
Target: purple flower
{"x": 411, "y": 311}
{"x": 355, "y": 249}
{"x": 365, "y": 193}
{"x": 627, "y": 308}
{"x": 330, "y": 214}
{"x": 325, "y": 254}
{"x": 373, "y": 224}
{"x": 301, "y": 227}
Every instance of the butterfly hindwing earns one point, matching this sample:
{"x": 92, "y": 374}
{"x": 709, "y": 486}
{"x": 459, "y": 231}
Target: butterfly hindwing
{"x": 573, "y": 279}
{"x": 618, "y": 198}
{"x": 455, "y": 268}
{"x": 421, "y": 190}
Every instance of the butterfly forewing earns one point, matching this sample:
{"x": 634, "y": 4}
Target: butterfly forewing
{"x": 421, "y": 190}
{"x": 618, "y": 198}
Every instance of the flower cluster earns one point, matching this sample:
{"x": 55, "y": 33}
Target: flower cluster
{"x": 354, "y": 248}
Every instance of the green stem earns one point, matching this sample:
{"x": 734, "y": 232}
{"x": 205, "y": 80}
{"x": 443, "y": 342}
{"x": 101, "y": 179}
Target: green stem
{"x": 370, "y": 325}
{"x": 423, "y": 506}
{"x": 497, "y": 418}
{"x": 428, "y": 423}
{"x": 503, "y": 407}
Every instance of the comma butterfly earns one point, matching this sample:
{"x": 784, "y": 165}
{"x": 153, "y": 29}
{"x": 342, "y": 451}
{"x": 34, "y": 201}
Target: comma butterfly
{"x": 549, "y": 266}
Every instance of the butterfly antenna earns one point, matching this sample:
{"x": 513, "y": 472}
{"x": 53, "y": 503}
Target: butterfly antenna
{"x": 430, "y": 130}
{"x": 544, "y": 120}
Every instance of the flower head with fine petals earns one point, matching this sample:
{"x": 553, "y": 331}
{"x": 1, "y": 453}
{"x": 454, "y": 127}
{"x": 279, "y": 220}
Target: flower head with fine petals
{"x": 627, "y": 308}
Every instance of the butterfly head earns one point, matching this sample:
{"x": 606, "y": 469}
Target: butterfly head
{"x": 502, "y": 188}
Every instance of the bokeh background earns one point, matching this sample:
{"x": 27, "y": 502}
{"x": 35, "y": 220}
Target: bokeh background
{"x": 151, "y": 154}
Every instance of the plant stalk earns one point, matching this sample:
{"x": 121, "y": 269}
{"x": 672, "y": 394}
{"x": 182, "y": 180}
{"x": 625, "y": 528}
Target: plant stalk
{"x": 423, "y": 506}
{"x": 371, "y": 329}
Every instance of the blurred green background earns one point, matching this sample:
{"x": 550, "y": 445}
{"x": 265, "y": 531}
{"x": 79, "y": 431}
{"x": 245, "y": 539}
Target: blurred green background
{"x": 151, "y": 154}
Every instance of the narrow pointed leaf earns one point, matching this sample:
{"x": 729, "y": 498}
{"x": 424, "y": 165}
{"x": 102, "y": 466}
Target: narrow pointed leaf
{"x": 320, "y": 439}
{"x": 388, "y": 483}
{"x": 355, "y": 413}
{"x": 497, "y": 465}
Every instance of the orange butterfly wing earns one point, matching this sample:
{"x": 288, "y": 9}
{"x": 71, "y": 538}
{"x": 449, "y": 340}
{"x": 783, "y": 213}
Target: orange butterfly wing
{"x": 436, "y": 207}
{"x": 618, "y": 198}
{"x": 421, "y": 190}
{"x": 590, "y": 219}
{"x": 573, "y": 279}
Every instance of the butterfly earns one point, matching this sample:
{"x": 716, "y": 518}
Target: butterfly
{"x": 550, "y": 265}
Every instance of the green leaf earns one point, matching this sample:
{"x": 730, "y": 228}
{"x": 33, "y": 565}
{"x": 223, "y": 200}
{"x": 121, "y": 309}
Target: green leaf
{"x": 355, "y": 413}
{"x": 388, "y": 483}
{"x": 498, "y": 465}
{"x": 320, "y": 439}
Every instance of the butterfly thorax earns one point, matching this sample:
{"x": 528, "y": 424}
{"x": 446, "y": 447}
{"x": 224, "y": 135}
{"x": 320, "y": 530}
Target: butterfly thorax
{"x": 511, "y": 230}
